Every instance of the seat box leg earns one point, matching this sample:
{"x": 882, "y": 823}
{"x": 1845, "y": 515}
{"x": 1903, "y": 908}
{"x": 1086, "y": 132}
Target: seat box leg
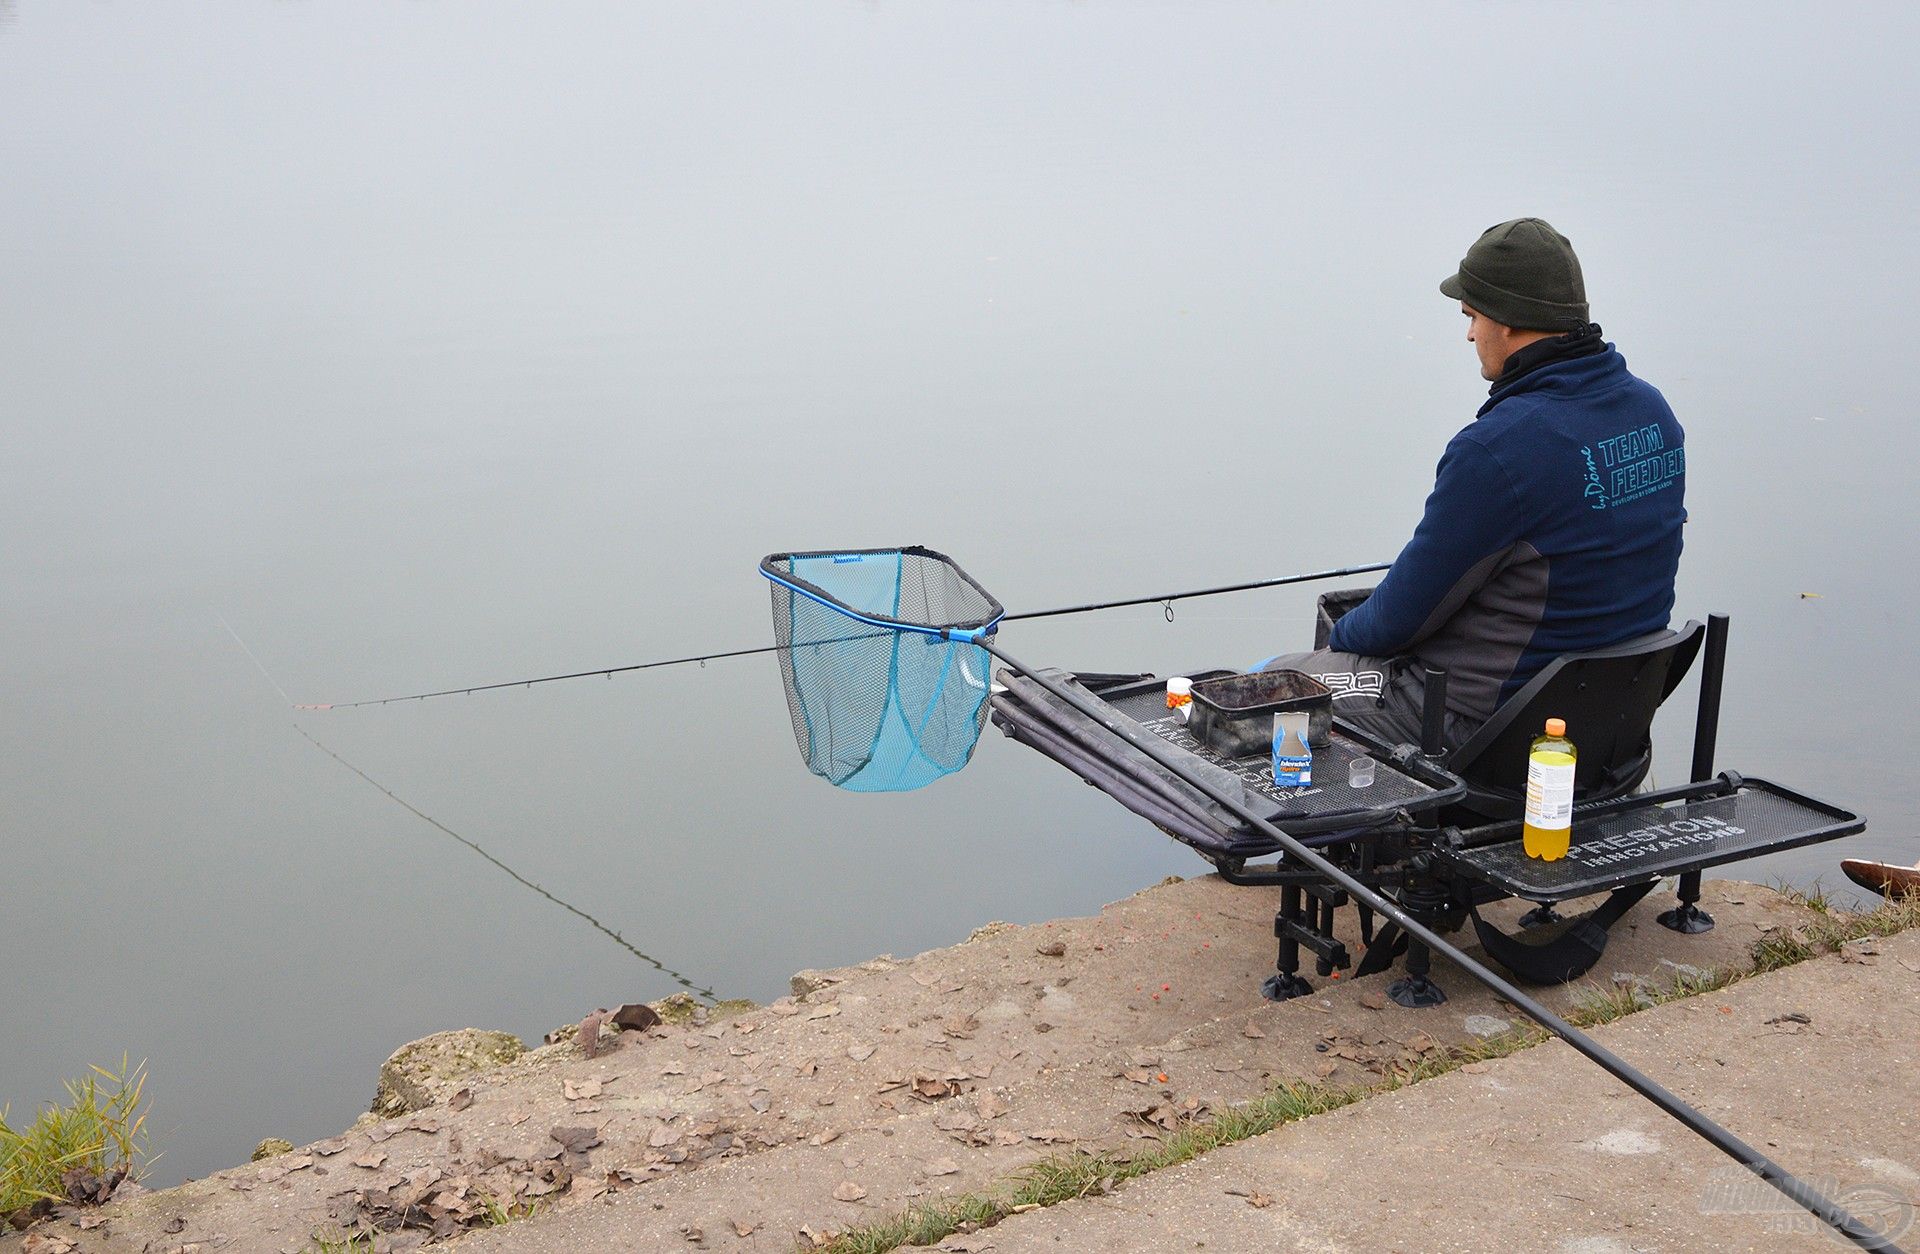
{"x": 1416, "y": 989}
{"x": 1286, "y": 981}
{"x": 1688, "y": 917}
{"x": 1542, "y": 914}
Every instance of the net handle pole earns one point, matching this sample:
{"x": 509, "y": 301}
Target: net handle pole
{"x": 1720, "y": 1138}
{"x": 1339, "y": 573}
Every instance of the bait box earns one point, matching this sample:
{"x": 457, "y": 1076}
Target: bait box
{"x": 1233, "y": 715}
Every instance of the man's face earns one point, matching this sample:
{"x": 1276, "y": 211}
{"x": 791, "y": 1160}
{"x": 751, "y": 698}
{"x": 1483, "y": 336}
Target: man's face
{"x": 1491, "y": 340}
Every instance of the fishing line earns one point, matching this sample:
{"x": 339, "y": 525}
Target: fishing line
{"x": 568, "y": 906}
{"x": 678, "y": 978}
{"x": 258, "y": 665}
{"x": 1165, "y": 599}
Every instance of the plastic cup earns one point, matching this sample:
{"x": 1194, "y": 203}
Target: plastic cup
{"x": 1360, "y": 773}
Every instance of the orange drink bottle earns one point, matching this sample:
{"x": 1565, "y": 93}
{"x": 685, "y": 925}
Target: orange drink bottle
{"x": 1549, "y": 819}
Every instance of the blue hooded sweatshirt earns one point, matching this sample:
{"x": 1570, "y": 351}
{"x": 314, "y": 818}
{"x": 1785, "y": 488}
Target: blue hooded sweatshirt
{"x": 1554, "y": 526}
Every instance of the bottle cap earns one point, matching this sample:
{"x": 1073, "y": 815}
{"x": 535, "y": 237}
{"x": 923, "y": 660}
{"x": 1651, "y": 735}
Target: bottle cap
{"x": 1556, "y": 727}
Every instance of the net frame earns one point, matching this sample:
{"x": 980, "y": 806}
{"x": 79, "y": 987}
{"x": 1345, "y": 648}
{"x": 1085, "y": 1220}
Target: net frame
{"x": 965, "y": 629}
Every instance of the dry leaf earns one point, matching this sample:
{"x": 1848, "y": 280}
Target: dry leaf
{"x": 1052, "y": 949}
{"x": 518, "y": 1117}
{"x": 1160, "y": 1115}
{"x": 460, "y": 1100}
{"x": 1326, "y": 1069}
{"x": 1253, "y": 1032}
{"x": 371, "y": 1160}
{"x": 47, "y": 1243}
{"x": 822, "y": 1138}
{"x": 589, "y": 1036}
{"x": 860, "y": 1053}
{"x": 1259, "y": 1201}
{"x": 989, "y": 1104}
{"x": 825, "y": 1012}
{"x": 576, "y": 1140}
{"x": 930, "y": 1088}
{"x": 848, "y": 1191}
{"x": 636, "y": 1017}
{"x": 579, "y": 1090}
{"x": 1373, "y": 1001}
{"x": 742, "y": 1229}
{"x": 942, "y": 1167}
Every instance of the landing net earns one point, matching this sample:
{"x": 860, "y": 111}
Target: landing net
{"x": 886, "y": 687}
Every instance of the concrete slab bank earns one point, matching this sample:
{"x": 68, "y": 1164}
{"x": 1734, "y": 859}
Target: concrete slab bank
{"x": 897, "y": 1082}
{"x": 1544, "y": 1151}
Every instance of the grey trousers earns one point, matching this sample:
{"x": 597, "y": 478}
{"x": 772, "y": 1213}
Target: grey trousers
{"x": 1381, "y": 696}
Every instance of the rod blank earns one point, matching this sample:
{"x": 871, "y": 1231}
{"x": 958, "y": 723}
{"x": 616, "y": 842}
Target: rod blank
{"x": 703, "y": 658}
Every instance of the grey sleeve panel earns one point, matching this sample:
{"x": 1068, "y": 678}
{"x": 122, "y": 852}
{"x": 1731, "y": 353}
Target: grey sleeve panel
{"x": 1483, "y": 639}
{"x": 1471, "y": 581}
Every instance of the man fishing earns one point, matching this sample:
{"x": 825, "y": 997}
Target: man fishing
{"x": 1554, "y": 525}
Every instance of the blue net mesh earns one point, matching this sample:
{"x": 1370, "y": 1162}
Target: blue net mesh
{"x": 880, "y": 701}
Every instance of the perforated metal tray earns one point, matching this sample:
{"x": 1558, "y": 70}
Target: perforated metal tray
{"x": 1633, "y": 839}
{"x": 1122, "y": 772}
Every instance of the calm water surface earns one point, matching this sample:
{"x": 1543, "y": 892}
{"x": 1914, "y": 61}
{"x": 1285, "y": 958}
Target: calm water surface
{"x": 443, "y": 343}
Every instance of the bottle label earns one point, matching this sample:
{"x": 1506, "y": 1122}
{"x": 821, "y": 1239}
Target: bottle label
{"x": 1549, "y": 793}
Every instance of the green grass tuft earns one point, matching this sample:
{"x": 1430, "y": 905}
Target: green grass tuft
{"x": 1063, "y": 1177}
{"x": 1829, "y": 931}
{"x": 99, "y": 1131}
{"x": 499, "y": 1213}
{"x": 354, "y": 1243}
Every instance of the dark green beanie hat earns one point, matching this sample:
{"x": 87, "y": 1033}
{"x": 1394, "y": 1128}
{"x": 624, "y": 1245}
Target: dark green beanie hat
{"x": 1523, "y": 273}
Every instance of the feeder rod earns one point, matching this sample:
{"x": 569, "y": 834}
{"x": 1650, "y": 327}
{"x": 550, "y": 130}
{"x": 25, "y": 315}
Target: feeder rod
{"x": 1203, "y": 592}
{"x": 1723, "y": 1140}
{"x": 703, "y": 658}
